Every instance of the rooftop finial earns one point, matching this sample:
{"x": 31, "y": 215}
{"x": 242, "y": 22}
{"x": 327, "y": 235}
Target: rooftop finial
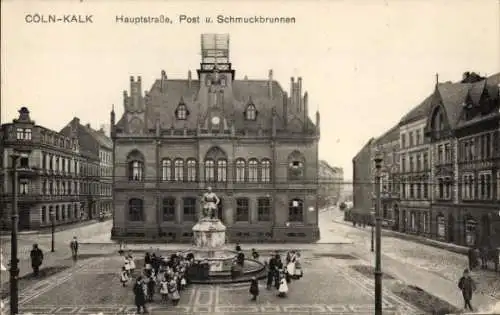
{"x": 437, "y": 78}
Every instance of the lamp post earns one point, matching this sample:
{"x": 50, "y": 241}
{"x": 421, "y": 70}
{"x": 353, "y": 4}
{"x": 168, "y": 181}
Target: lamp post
{"x": 373, "y": 232}
{"x": 14, "y": 269}
{"x": 53, "y": 227}
{"x": 378, "y": 267}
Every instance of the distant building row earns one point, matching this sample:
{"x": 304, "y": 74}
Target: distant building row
{"x": 63, "y": 176}
{"x": 441, "y": 167}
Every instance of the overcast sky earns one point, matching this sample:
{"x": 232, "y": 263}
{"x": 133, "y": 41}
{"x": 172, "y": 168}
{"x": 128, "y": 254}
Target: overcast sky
{"x": 364, "y": 63}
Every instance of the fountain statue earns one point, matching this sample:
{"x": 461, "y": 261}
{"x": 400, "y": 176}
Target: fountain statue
{"x": 209, "y": 243}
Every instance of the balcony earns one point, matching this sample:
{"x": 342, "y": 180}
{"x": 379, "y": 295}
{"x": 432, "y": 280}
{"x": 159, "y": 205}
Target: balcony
{"x": 27, "y": 172}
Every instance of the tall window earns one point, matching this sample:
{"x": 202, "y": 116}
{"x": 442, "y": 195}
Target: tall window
{"x": 440, "y": 188}
{"x": 426, "y": 161}
{"x": 23, "y": 188}
{"x": 441, "y": 154}
{"x": 413, "y": 222}
{"x": 63, "y": 212}
{"x": 403, "y": 163}
{"x": 441, "y": 227}
{"x": 425, "y": 222}
{"x": 44, "y": 161}
{"x": 44, "y": 187}
{"x": 253, "y": 171}
{"x": 136, "y": 171}
{"x": 20, "y": 134}
{"x": 417, "y": 137}
{"x": 178, "y": 170}
{"x": 209, "y": 171}
{"x": 447, "y": 186}
{"x": 240, "y": 171}
{"x": 410, "y": 138}
{"x": 295, "y": 210}
{"x": 58, "y": 214}
{"x": 447, "y": 153}
{"x": 264, "y": 209}
{"x": 136, "y": 210}
{"x": 182, "y": 111}
{"x": 418, "y": 167}
{"x": 221, "y": 170}
{"x": 403, "y": 140}
{"x": 251, "y": 112}
{"x": 266, "y": 171}
{"x": 168, "y": 209}
{"x": 191, "y": 170}
{"x": 242, "y": 210}
{"x": 189, "y": 209}
{"x": 412, "y": 165}
{"x": 44, "y": 214}
{"x": 166, "y": 170}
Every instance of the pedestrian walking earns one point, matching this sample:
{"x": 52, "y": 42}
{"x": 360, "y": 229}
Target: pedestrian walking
{"x": 140, "y": 295}
{"x": 467, "y": 286}
{"x": 36, "y": 256}
{"x": 254, "y": 288}
{"x": 283, "y": 287}
{"x": 173, "y": 291}
{"x": 74, "y": 248}
{"x": 164, "y": 290}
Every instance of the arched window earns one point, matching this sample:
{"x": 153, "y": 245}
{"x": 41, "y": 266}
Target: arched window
{"x": 240, "y": 171}
{"x": 135, "y": 161}
{"x": 296, "y": 166}
{"x": 253, "y": 171}
{"x": 135, "y": 210}
{"x": 266, "y": 171}
{"x": 251, "y": 112}
{"x": 191, "y": 170}
{"x": 221, "y": 170}
{"x": 179, "y": 170}
{"x": 295, "y": 210}
{"x": 166, "y": 170}
{"x": 209, "y": 171}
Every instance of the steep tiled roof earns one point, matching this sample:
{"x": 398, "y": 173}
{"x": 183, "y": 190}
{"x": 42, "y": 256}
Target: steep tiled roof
{"x": 418, "y": 112}
{"x": 389, "y": 136}
{"x": 99, "y": 137}
{"x": 161, "y": 105}
{"x": 453, "y": 96}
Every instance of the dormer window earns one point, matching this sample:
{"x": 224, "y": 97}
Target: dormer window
{"x": 23, "y": 134}
{"x": 181, "y": 112}
{"x": 251, "y": 112}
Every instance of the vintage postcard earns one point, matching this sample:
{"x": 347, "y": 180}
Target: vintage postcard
{"x": 250, "y": 157}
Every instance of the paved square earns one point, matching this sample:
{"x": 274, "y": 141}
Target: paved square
{"x": 326, "y": 288}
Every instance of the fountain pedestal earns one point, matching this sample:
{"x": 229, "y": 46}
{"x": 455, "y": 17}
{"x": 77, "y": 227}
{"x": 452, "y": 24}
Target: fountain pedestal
{"x": 209, "y": 238}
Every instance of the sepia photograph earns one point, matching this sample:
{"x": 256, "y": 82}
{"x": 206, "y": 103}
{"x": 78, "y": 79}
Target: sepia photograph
{"x": 252, "y": 157}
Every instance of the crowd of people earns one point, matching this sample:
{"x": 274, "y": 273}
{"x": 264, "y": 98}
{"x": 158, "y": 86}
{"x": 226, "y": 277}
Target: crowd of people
{"x": 167, "y": 276}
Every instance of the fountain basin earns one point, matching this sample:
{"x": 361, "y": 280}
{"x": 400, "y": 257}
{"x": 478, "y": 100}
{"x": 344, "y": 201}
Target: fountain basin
{"x": 209, "y": 234}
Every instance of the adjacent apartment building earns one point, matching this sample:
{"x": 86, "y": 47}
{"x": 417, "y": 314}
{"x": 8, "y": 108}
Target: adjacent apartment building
{"x": 449, "y": 163}
{"x": 98, "y": 144}
{"x": 331, "y": 182}
{"x": 254, "y": 144}
{"x": 55, "y": 177}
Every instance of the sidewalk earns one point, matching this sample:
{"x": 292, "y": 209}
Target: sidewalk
{"x": 48, "y": 230}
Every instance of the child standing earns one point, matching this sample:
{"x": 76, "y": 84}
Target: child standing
{"x": 124, "y": 277}
{"x": 254, "y": 288}
{"x": 283, "y": 287}
{"x": 164, "y": 289}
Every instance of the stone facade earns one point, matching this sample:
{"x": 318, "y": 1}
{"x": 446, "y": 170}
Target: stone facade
{"x": 363, "y": 189}
{"x": 54, "y": 175}
{"x": 96, "y": 142}
{"x": 460, "y": 123}
{"x": 331, "y": 184}
{"x": 247, "y": 139}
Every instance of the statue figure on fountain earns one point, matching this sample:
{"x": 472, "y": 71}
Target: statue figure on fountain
{"x": 210, "y": 202}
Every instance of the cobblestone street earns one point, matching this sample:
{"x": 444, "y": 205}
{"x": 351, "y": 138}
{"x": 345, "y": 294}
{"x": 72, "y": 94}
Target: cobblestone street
{"x": 326, "y": 288}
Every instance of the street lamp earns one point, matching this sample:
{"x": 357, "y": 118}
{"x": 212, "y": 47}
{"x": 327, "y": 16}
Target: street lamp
{"x": 53, "y": 227}
{"x": 373, "y": 232}
{"x": 378, "y": 267}
{"x": 14, "y": 269}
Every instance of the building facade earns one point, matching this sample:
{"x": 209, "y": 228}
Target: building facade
{"x": 415, "y": 172}
{"x": 247, "y": 139}
{"x": 387, "y": 147}
{"x": 54, "y": 176}
{"x": 449, "y": 163}
{"x": 362, "y": 177}
{"x": 331, "y": 181}
{"x": 98, "y": 144}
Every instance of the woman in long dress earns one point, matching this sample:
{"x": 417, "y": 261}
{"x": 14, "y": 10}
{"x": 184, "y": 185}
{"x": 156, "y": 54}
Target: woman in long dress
{"x": 164, "y": 289}
{"x": 291, "y": 265}
{"x": 173, "y": 291}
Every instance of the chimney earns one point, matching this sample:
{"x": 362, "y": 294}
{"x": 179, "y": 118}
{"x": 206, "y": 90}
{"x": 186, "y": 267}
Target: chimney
{"x": 189, "y": 78}
{"x": 88, "y": 125}
{"x": 270, "y": 83}
{"x": 163, "y": 81}
{"x": 317, "y": 122}
{"x": 306, "y": 109}
{"x": 285, "y": 109}
{"x": 299, "y": 94}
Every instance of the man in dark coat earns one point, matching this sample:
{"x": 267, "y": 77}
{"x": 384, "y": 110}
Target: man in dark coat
{"x": 467, "y": 286}
{"x": 36, "y": 256}
{"x": 270, "y": 271}
{"x": 74, "y": 248}
{"x": 140, "y": 295}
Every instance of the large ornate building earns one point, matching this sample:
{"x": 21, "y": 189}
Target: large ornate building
{"x": 247, "y": 139}
{"x": 449, "y": 164}
{"x": 57, "y": 180}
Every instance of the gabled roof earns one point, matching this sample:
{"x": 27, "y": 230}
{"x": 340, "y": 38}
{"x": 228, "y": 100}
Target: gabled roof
{"x": 418, "y": 112}
{"x": 161, "y": 105}
{"x": 453, "y": 96}
{"x": 99, "y": 137}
